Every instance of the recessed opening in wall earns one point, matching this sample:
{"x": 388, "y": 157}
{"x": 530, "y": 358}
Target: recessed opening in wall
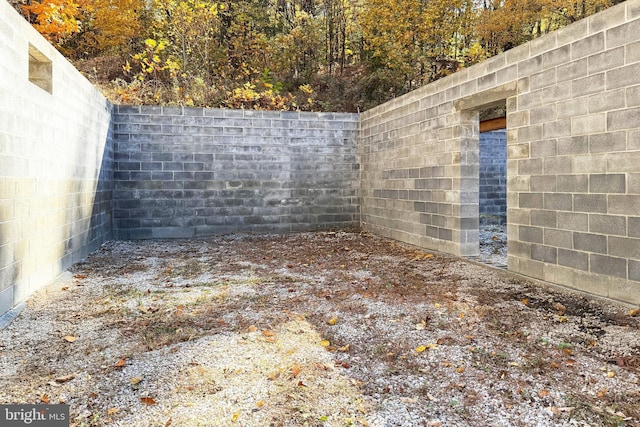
{"x": 493, "y": 186}
{"x": 40, "y": 69}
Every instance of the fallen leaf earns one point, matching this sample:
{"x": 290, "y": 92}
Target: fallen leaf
{"x": 634, "y": 312}
{"x": 70, "y": 338}
{"x": 148, "y": 400}
{"x": 525, "y": 301}
{"x": 602, "y": 393}
{"x": 543, "y": 393}
{"x": 272, "y": 376}
{"x": 460, "y": 369}
{"x": 80, "y": 276}
{"x": 235, "y": 417}
{"x": 325, "y": 343}
{"x": 135, "y": 380}
{"x": 295, "y": 370}
{"x": 332, "y": 321}
{"x": 252, "y": 328}
{"x": 120, "y": 363}
{"x": 420, "y": 348}
{"x": 45, "y": 399}
{"x": 179, "y": 310}
{"x": 112, "y": 411}
{"x": 64, "y": 288}
{"x": 611, "y": 374}
{"x": 268, "y": 334}
{"x": 169, "y": 422}
{"x": 65, "y": 378}
{"x": 260, "y": 403}
{"x": 561, "y": 309}
{"x": 344, "y": 349}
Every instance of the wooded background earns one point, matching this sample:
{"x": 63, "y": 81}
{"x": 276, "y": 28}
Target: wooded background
{"x": 314, "y": 55}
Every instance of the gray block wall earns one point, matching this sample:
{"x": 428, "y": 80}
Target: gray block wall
{"x": 193, "y": 172}
{"x": 493, "y": 177}
{"x": 55, "y": 162}
{"x": 573, "y": 157}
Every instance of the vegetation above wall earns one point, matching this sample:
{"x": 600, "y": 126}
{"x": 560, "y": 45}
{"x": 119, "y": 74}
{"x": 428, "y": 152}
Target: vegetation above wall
{"x": 322, "y": 55}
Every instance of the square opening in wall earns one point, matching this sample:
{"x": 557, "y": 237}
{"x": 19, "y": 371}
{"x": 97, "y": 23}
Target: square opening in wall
{"x": 40, "y": 69}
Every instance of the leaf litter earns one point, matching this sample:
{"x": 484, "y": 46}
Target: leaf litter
{"x": 319, "y": 329}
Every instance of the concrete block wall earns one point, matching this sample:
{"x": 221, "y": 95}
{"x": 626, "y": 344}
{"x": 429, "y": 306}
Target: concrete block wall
{"x": 192, "y": 172}
{"x": 55, "y": 162}
{"x": 493, "y": 177}
{"x": 573, "y": 157}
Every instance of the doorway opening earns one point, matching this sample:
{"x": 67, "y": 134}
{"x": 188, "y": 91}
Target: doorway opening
{"x": 493, "y": 186}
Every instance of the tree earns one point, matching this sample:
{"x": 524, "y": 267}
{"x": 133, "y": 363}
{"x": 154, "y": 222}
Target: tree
{"x": 56, "y": 20}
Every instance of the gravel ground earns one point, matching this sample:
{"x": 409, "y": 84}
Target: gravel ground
{"x": 318, "y": 329}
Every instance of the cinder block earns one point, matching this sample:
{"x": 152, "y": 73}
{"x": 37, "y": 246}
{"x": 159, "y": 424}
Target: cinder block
{"x": 610, "y": 266}
{"x": 624, "y": 204}
{"x": 634, "y": 226}
{"x": 588, "y": 242}
{"x": 573, "y": 183}
{"x": 573, "y": 259}
{"x": 543, "y": 79}
{"x": 556, "y": 129}
{"x": 623, "y": 34}
{"x": 587, "y": 46}
{"x": 544, "y": 148}
{"x": 633, "y": 94}
{"x": 530, "y": 234}
{"x": 573, "y": 145}
{"x": 545, "y": 254}
{"x": 542, "y": 114}
{"x": 624, "y": 247}
{"x": 590, "y": 85}
{"x": 543, "y": 218}
{"x": 634, "y": 270}
{"x": 530, "y": 167}
{"x": 623, "y": 119}
{"x": 543, "y": 183}
{"x": 558, "y": 238}
{"x": 587, "y": 125}
{"x": 596, "y": 203}
{"x": 558, "y": 201}
{"x": 572, "y": 70}
{"x": 607, "y": 142}
{"x": 608, "y": 224}
{"x": 607, "y": 183}
{"x": 606, "y": 60}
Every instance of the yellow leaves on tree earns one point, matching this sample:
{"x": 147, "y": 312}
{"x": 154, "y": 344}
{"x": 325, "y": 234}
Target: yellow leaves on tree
{"x": 115, "y": 22}
{"x": 504, "y": 24}
{"x": 55, "y": 19}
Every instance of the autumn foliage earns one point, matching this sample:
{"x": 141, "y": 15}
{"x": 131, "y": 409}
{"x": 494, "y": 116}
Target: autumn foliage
{"x": 287, "y": 54}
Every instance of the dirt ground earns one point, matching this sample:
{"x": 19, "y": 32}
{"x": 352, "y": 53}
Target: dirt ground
{"x": 317, "y": 329}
